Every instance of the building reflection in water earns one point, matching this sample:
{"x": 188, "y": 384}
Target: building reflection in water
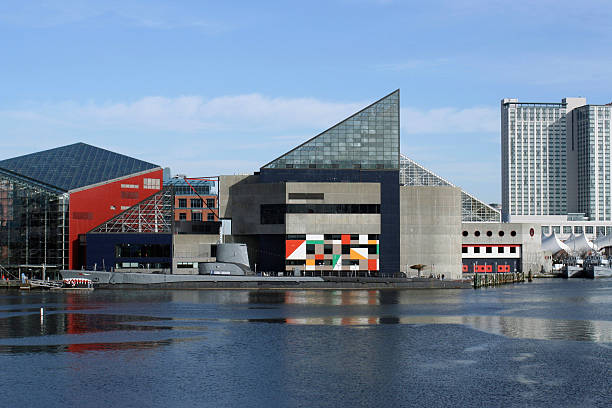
{"x": 59, "y": 329}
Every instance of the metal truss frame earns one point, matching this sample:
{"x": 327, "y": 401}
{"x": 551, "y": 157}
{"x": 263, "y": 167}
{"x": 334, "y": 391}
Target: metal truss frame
{"x": 152, "y": 215}
{"x": 472, "y": 209}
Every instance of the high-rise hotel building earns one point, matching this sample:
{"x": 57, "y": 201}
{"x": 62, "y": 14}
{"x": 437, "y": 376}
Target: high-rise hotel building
{"x": 590, "y": 138}
{"x": 556, "y": 161}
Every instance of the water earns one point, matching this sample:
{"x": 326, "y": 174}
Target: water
{"x": 544, "y": 344}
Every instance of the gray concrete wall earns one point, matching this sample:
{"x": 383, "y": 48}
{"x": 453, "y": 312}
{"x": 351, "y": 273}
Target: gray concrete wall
{"x": 333, "y": 223}
{"x": 192, "y": 248}
{"x": 240, "y": 198}
{"x": 430, "y": 230}
{"x": 334, "y": 193}
{"x": 532, "y": 256}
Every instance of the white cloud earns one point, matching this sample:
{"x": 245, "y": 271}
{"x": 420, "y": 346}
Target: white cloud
{"x": 250, "y": 113}
{"x": 235, "y": 134}
{"x": 189, "y": 114}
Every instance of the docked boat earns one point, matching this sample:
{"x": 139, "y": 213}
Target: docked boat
{"x": 596, "y": 266}
{"x": 573, "y": 267}
{"x": 76, "y": 284}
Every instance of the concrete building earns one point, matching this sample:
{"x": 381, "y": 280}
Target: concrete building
{"x": 503, "y": 247}
{"x": 330, "y": 204}
{"x": 430, "y": 232}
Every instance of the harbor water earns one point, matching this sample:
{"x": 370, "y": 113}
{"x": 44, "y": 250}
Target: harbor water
{"x": 542, "y": 344}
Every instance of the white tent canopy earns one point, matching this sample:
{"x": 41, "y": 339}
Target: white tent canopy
{"x": 579, "y": 243}
{"x": 603, "y": 241}
{"x": 553, "y": 244}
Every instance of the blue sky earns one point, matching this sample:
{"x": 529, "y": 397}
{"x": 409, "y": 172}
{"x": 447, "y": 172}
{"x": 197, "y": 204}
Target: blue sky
{"x": 224, "y": 87}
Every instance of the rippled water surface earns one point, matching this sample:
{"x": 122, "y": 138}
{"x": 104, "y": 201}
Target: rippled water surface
{"x": 544, "y": 344}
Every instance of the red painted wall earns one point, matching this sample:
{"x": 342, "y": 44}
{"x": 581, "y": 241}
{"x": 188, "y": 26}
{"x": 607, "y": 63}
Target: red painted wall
{"x": 91, "y": 207}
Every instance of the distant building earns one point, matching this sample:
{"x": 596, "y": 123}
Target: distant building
{"x": 556, "y": 166}
{"x": 195, "y": 199}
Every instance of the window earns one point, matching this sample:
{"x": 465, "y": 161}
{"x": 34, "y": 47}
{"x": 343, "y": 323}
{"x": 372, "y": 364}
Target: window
{"x": 151, "y": 184}
{"x": 464, "y": 250}
{"x": 196, "y": 216}
{"x": 545, "y": 229}
{"x": 567, "y": 229}
{"x": 306, "y": 196}
{"x": 513, "y": 233}
{"x": 501, "y": 233}
{"x": 328, "y": 249}
{"x": 489, "y": 233}
{"x": 500, "y": 250}
{"x": 513, "y": 250}
{"x": 182, "y": 216}
{"x": 129, "y": 186}
{"x": 589, "y": 229}
{"x": 464, "y": 233}
{"x": 310, "y": 249}
{"x": 476, "y": 250}
{"x": 196, "y": 203}
{"x": 210, "y": 217}
{"x": 489, "y": 250}
{"x": 182, "y": 203}
{"x": 272, "y": 214}
{"x": 477, "y": 233}
{"x": 210, "y": 202}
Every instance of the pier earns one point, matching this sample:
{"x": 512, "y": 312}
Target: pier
{"x": 496, "y": 279}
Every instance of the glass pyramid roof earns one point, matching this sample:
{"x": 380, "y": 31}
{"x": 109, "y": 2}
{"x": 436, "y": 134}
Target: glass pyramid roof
{"x": 73, "y": 166}
{"x": 367, "y": 140}
{"x": 472, "y": 209}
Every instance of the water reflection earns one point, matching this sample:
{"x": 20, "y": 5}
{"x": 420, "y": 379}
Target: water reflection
{"x": 514, "y": 327}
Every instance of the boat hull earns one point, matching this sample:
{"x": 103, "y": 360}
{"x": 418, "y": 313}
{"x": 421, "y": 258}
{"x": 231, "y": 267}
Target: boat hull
{"x": 597, "y": 272}
{"x": 573, "y": 272}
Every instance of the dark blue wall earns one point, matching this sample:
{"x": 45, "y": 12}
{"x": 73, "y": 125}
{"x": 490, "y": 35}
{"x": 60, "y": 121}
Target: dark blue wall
{"x": 102, "y": 247}
{"x": 389, "y": 202}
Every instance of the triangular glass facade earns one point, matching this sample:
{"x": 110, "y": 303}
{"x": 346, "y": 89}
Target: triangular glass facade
{"x": 472, "y": 209}
{"x": 153, "y": 214}
{"x": 367, "y": 140}
{"x": 73, "y": 166}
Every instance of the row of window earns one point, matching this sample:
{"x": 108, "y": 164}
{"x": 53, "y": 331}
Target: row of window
{"x": 577, "y": 229}
{"x": 489, "y": 233}
{"x": 275, "y": 213}
{"x": 489, "y": 250}
{"x": 196, "y": 216}
{"x": 196, "y": 203}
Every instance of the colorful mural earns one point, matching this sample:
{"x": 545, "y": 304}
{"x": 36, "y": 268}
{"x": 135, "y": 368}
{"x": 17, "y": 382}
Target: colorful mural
{"x": 332, "y": 252}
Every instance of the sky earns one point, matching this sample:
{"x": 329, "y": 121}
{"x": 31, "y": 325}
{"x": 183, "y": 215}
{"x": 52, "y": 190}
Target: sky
{"x": 210, "y": 87}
